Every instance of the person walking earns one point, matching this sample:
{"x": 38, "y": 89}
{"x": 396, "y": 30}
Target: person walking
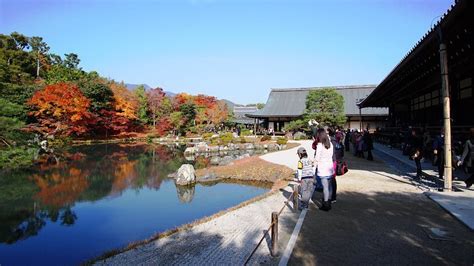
{"x": 416, "y": 153}
{"x": 347, "y": 140}
{"x": 360, "y": 145}
{"x": 338, "y": 156}
{"x": 467, "y": 158}
{"x": 305, "y": 177}
{"x": 368, "y": 145}
{"x": 324, "y": 165}
{"x": 317, "y": 181}
{"x": 354, "y": 135}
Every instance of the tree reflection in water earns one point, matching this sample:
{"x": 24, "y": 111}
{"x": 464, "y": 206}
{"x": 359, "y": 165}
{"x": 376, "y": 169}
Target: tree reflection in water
{"x": 29, "y": 198}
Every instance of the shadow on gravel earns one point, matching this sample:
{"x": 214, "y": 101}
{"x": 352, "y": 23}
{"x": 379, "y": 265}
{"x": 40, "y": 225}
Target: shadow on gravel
{"x": 382, "y": 229}
{"x": 191, "y": 249}
{"x": 202, "y": 248}
{"x": 377, "y": 227}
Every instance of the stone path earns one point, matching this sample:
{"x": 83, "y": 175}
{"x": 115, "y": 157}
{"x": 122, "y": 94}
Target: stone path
{"x": 225, "y": 240}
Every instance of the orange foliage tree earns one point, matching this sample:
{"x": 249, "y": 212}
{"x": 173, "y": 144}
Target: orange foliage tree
{"x": 125, "y": 109}
{"x": 60, "y": 109}
{"x": 218, "y": 113}
{"x": 125, "y": 102}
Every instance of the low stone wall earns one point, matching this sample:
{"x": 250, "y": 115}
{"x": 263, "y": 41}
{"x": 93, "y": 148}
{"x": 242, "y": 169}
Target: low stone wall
{"x": 203, "y": 147}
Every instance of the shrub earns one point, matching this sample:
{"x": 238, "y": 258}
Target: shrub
{"x": 16, "y": 157}
{"x": 245, "y": 132}
{"x": 215, "y": 141}
{"x": 265, "y": 138}
{"x": 300, "y": 136}
{"x": 226, "y": 138}
{"x": 207, "y": 136}
{"x": 282, "y": 141}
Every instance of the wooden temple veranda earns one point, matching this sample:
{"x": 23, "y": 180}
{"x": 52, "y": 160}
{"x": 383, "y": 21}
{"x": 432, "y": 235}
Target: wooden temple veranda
{"x": 432, "y": 86}
{"x": 413, "y": 89}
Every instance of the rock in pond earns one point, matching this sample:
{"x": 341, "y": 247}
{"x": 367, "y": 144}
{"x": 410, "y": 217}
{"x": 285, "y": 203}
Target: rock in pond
{"x": 185, "y": 175}
{"x": 190, "y": 150}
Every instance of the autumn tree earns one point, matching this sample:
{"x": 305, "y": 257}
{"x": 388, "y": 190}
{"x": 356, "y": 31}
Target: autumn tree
{"x": 60, "y": 109}
{"x": 180, "y": 99}
{"x": 218, "y": 113}
{"x": 125, "y": 102}
{"x": 165, "y": 124}
{"x": 155, "y": 99}
{"x": 204, "y": 105}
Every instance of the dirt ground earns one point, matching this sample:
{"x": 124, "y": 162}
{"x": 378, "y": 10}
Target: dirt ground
{"x": 250, "y": 169}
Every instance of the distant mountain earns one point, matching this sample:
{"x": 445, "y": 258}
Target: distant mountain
{"x": 170, "y": 94}
{"x": 230, "y": 105}
{"x": 131, "y": 87}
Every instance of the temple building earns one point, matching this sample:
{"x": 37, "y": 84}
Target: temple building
{"x": 413, "y": 89}
{"x": 286, "y": 105}
{"x": 240, "y": 113}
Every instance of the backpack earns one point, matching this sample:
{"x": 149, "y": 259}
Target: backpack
{"x": 341, "y": 168}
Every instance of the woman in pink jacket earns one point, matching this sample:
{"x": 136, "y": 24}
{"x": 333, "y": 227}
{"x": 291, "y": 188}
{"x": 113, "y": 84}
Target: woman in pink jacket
{"x": 325, "y": 168}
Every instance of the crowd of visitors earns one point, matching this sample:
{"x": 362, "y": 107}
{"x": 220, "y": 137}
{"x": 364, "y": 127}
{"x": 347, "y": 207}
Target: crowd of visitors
{"x": 329, "y": 146}
{"x": 419, "y": 145}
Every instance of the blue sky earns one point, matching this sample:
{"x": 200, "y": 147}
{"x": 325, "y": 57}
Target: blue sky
{"x": 231, "y": 49}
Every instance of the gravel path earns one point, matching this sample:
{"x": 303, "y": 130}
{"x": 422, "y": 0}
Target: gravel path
{"x": 227, "y": 239}
{"x": 288, "y": 157}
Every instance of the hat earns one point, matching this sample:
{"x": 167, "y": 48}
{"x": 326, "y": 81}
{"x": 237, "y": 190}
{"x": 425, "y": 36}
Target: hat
{"x": 301, "y": 150}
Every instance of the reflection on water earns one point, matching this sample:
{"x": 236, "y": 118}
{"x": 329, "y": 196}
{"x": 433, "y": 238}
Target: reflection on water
{"x": 185, "y": 193}
{"x": 108, "y": 196}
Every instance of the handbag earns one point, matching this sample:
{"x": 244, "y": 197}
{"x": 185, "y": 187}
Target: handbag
{"x": 341, "y": 168}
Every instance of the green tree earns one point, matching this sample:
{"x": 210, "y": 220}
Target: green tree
{"x": 325, "y": 106}
{"x": 189, "y": 113}
{"x": 177, "y": 121}
{"x": 67, "y": 70}
{"x": 100, "y": 95}
{"x": 39, "y": 48}
{"x": 71, "y": 61}
{"x": 142, "y": 104}
{"x": 16, "y": 64}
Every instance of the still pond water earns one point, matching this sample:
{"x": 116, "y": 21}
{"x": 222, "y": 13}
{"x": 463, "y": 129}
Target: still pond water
{"x": 105, "y": 198}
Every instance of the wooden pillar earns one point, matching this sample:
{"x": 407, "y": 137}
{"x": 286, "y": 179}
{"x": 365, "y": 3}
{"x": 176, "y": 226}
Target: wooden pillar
{"x": 255, "y": 126}
{"x": 446, "y": 117}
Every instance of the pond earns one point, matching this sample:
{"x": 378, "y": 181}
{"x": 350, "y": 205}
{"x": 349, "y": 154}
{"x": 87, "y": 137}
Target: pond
{"x": 106, "y": 197}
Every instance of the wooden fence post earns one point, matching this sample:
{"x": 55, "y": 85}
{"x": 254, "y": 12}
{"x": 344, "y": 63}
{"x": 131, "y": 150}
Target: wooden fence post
{"x": 274, "y": 249}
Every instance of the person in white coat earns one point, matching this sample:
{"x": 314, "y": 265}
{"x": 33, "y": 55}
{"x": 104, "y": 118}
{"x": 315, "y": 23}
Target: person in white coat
{"x": 325, "y": 169}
